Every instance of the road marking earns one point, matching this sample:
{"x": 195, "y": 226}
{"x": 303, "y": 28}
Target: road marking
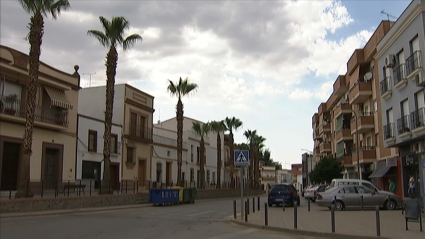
{"x": 234, "y": 234}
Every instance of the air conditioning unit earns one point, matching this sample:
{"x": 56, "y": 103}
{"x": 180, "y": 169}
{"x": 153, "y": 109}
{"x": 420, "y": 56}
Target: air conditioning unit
{"x": 390, "y": 61}
{"x": 419, "y": 79}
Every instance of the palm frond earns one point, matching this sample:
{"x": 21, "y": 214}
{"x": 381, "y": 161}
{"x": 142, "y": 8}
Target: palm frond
{"x": 100, "y": 36}
{"x": 130, "y": 41}
{"x": 58, "y": 6}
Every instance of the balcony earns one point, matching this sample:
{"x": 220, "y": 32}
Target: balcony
{"x": 403, "y": 127}
{"x": 343, "y": 108}
{"x": 389, "y": 135}
{"x": 346, "y": 159}
{"x": 386, "y": 88}
{"x": 366, "y": 154}
{"x": 315, "y": 120}
{"x": 417, "y": 122}
{"x": 14, "y": 110}
{"x": 361, "y": 91}
{"x": 343, "y": 134}
{"x": 138, "y": 131}
{"x": 399, "y": 77}
{"x": 340, "y": 86}
{"x": 324, "y": 147}
{"x": 269, "y": 179}
{"x": 315, "y": 134}
{"x": 413, "y": 65}
{"x": 364, "y": 123}
{"x": 355, "y": 60}
{"x": 322, "y": 108}
{"x": 324, "y": 127}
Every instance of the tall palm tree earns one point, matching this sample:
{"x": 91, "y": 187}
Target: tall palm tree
{"x": 201, "y": 130}
{"x": 250, "y": 136}
{"x": 258, "y": 145}
{"x": 111, "y": 37}
{"x": 218, "y": 127}
{"x": 38, "y": 9}
{"x": 180, "y": 89}
{"x": 232, "y": 124}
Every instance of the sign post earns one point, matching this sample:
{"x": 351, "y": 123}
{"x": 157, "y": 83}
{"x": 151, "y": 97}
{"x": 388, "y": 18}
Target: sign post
{"x": 241, "y": 158}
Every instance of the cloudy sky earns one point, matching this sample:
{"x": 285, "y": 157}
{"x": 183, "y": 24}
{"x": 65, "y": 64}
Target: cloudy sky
{"x": 268, "y": 63}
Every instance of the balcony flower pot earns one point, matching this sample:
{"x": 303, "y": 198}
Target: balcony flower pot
{"x": 419, "y": 124}
{"x": 10, "y": 103}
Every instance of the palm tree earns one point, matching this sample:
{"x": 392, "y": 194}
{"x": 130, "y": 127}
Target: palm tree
{"x": 218, "y": 127}
{"x": 180, "y": 89}
{"x": 232, "y": 124}
{"x": 258, "y": 145}
{"x": 202, "y": 130}
{"x": 111, "y": 37}
{"x": 38, "y": 9}
{"x": 250, "y": 136}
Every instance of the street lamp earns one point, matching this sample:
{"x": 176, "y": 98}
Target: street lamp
{"x": 311, "y": 162}
{"x": 357, "y": 144}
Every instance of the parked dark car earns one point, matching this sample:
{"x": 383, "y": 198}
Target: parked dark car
{"x": 283, "y": 193}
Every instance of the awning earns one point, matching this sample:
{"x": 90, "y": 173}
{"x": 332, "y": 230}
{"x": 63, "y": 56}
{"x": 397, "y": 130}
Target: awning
{"x": 57, "y": 97}
{"x": 381, "y": 170}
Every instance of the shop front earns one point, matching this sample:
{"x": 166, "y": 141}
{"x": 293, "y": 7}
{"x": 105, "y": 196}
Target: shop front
{"x": 385, "y": 171}
{"x": 414, "y": 166}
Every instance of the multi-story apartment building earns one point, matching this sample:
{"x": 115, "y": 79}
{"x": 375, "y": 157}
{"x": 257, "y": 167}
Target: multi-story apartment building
{"x": 190, "y": 167}
{"x": 308, "y": 165}
{"x": 400, "y": 58}
{"x": 164, "y": 157}
{"x": 55, "y": 126}
{"x": 90, "y": 152}
{"x": 348, "y": 125}
{"x": 133, "y": 109}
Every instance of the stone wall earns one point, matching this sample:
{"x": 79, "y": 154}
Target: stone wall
{"x": 61, "y": 203}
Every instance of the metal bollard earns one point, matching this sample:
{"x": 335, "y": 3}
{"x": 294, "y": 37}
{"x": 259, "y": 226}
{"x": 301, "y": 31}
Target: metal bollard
{"x": 234, "y": 208}
{"x": 361, "y": 201}
{"x": 258, "y": 203}
{"x": 308, "y": 204}
{"x": 253, "y": 204}
{"x": 295, "y": 215}
{"x": 266, "y": 215}
{"x": 378, "y": 222}
{"x": 247, "y": 209}
{"x": 333, "y": 218}
{"x": 283, "y": 204}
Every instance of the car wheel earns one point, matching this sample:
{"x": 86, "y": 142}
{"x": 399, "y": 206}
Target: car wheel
{"x": 390, "y": 204}
{"x": 339, "y": 205}
{"x": 270, "y": 205}
{"x": 298, "y": 202}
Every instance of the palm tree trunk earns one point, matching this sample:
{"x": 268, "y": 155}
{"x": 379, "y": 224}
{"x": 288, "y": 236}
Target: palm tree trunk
{"x": 179, "y": 114}
{"x": 202, "y": 163}
{"x": 218, "y": 161}
{"x": 256, "y": 169}
{"x": 232, "y": 177}
{"x": 111, "y": 69}
{"x": 35, "y": 40}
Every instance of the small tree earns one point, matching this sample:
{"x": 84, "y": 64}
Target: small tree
{"x": 326, "y": 169}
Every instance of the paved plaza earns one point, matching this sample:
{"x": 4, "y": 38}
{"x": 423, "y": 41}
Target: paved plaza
{"x": 348, "y": 222}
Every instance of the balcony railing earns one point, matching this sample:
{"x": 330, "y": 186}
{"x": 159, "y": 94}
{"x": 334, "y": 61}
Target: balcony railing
{"x": 140, "y": 131}
{"x": 389, "y": 131}
{"x": 403, "y": 124}
{"x": 399, "y": 74}
{"x": 364, "y": 153}
{"x": 52, "y": 115}
{"x": 413, "y": 62}
{"x": 417, "y": 118}
{"x": 385, "y": 86}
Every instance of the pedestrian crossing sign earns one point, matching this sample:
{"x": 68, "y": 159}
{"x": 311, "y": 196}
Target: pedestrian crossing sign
{"x": 241, "y": 157}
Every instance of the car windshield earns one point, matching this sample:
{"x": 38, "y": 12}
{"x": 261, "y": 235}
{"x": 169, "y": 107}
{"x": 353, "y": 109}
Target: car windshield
{"x": 321, "y": 188}
{"x": 282, "y": 188}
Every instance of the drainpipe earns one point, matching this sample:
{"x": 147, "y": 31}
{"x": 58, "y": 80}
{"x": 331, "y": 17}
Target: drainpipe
{"x": 76, "y": 147}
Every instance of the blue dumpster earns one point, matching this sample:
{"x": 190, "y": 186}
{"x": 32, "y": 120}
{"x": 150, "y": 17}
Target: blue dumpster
{"x": 161, "y": 196}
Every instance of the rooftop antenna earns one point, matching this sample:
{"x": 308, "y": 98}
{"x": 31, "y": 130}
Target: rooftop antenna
{"x": 159, "y": 116}
{"x": 90, "y": 74}
{"x": 388, "y": 15}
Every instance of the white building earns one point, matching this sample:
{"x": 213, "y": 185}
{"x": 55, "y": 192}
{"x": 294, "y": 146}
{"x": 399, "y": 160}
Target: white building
{"x": 267, "y": 176}
{"x": 90, "y": 152}
{"x": 164, "y": 157}
{"x": 283, "y": 176}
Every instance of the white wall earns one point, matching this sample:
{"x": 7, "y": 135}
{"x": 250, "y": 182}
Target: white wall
{"x": 91, "y": 102}
{"x": 82, "y": 148}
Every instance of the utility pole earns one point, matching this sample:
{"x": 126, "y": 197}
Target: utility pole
{"x": 90, "y": 74}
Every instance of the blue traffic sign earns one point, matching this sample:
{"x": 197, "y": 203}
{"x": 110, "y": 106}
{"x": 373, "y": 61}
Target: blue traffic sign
{"x": 241, "y": 157}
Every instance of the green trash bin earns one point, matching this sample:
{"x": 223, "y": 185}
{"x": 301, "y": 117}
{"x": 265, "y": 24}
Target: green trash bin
{"x": 189, "y": 195}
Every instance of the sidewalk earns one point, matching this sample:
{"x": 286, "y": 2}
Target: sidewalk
{"x": 317, "y": 222}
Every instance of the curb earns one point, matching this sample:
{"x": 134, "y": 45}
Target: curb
{"x": 305, "y": 232}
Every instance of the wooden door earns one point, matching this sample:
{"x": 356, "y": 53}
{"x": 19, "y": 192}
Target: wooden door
{"x": 142, "y": 173}
{"x": 114, "y": 170}
{"x": 10, "y": 164}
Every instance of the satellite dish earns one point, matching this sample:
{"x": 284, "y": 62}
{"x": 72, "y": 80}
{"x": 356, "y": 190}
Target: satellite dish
{"x": 367, "y": 76}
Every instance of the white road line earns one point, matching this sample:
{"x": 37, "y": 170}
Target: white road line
{"x": 234, "y": 234}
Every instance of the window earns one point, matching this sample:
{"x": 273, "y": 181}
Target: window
{"x": 208, "y": 176}
{"x": 168, "y": 153}
{"x": 347, "y": 190}
{"x": 130, "y": 154}
{"x": 137, "y": 125}
{"x": 198, "y": 154}
{"x": 158, "y": 172}
{"x": 92, "y": 144}
{"x": 213, "y": 177}
{"x": 363, "y": 190}
{"x": 191, "y": 153}
{"x": 192, "y": 175}
{"x": 114, "y": 143}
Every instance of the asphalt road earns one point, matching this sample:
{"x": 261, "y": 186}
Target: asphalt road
{"x": 204, "y": 219}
